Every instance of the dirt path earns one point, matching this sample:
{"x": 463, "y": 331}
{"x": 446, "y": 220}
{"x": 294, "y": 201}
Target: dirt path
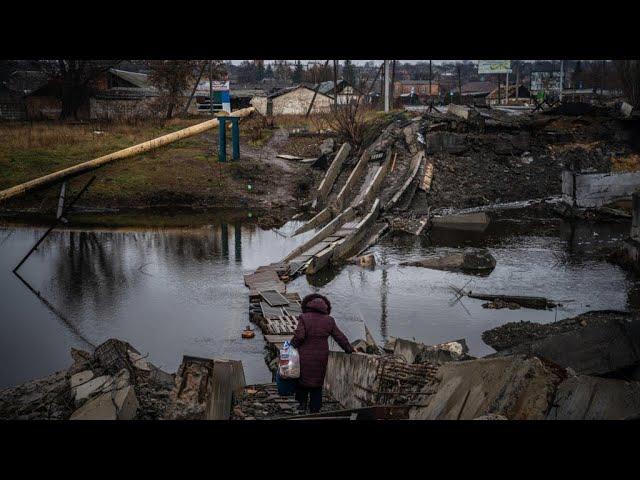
{"x": 269, "y": 151}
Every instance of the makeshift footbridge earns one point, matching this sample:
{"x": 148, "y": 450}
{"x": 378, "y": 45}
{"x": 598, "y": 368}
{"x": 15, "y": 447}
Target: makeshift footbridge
{"x": 351, "y": 217}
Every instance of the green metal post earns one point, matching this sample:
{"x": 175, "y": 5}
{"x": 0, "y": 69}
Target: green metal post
{"x": 222, "y": 154}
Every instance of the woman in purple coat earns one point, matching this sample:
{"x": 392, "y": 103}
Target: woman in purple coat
{"x": 315, "y": 326}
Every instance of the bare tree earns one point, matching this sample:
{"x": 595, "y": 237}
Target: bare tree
{"x": 75, "y": 78}
{"x": 173, "y": 78}
{"x": 629, "y": 79}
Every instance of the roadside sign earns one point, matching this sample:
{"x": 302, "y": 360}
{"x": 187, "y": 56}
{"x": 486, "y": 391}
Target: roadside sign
{"x": 494, "y": 66}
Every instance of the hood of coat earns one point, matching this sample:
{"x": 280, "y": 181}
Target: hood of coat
{"x": 316, "y": 303}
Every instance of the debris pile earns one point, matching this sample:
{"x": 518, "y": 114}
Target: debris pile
{"x": 115, "y": 382}
{"x": 470, "y": 260}
{"x": 262, "y": 402}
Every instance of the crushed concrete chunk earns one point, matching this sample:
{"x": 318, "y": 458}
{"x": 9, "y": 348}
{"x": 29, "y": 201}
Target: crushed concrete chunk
{"x": 517, "y": 387}
{"x": 138, "y": 361}
{"x": 595, "y": 343}
{"x": 80, "y": 378}
{"x": 592, "y": 398}
{"x": 92, "y": 387}
{"x": 100, "y": 408}
{"x": 492, "y": 416}
{"x": 126, "y": 403}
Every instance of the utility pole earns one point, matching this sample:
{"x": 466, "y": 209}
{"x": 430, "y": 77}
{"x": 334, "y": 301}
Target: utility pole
{"x": 459, "y": 85}
{"x": 561, "y": 78}
{"x": 506, "y": 92}
{"x": 211, "y": 86}
{"x": 335, "y": 84}
{"x": 517, "y": 82}
{"x": 430, "y": 90}
{"x": 386, "y": 85}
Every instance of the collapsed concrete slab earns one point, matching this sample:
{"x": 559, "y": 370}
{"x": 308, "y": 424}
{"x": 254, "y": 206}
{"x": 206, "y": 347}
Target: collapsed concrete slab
{"x": 204, "y": 389}
{"x": 469, "y": 221}
{"x": 120, "y": 404}
{"x": 417, "y": 352}
{"x": 358, "y": 380}
{"x": 626, "y": 109}
{"x": 593, "y": 190}
{"x": 591, "y": 398}
{"x": 517, "y": 387}
{"x": 113, "y": 398}
{"x": 228, "y": 382}
{"x": 471, "y": 260}
{"x": 595, "y": 343}
{"x": 330, "y": 176}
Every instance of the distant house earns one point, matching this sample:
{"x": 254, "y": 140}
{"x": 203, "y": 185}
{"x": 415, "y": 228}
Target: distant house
{"x": 44, "y": 103}
{"x": 12, "y": 104}
{"x": 121, "y": 95}
{"x": 292, "y": 101}
{"x": 498, "y": 94}
{"x": 420, "y": 88}
{"x": 13, "y": 93}
{"x": 478, "y": 89}
{"x": 345, "y": 91}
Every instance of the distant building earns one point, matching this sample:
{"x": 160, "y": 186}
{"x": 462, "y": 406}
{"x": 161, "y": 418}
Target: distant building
{"x": 292, "y": 101}
{"x": 122, "y": 95}
{"x": 498, "y": 94}
{"x": 345, "y": 91}
{"x": 415, "y": 87}
{"x": 478, "y": 89}
{"x": 13, "y": 93}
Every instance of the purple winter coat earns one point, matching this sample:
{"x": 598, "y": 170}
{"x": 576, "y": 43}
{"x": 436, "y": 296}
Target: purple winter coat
{"x": 315, "y": 326}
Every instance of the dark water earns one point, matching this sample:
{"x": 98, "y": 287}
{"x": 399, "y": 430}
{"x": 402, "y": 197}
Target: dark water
{"x": 168, "y": 292}
{"x": 172, "y": 292}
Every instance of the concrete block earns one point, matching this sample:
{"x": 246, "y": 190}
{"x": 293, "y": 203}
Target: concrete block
{"x": 96, "y": 385}
{"x": 598, "y": 347}
{"x": 228, "y": 379}
{"x": 516, "y": 387}
{"x": 80, "y": 378}
{"x": 459, "y": 111}
{"x": 593, "y": 398}
{"x": 470, "y": 221}
{"x": 113, "y": 405}
{"x": 344, "y": 371}
{"x": 592, "y": 190}
{"x": 126, "y": 403}
{"x": 100, "y": 408}
{"x": 635, "y": 216}
{"x": 626, "y": 109}
{"x": 138, "y": 361}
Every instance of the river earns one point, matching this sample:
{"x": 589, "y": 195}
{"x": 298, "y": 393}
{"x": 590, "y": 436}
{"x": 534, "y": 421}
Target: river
{"x": 179, "y": 291}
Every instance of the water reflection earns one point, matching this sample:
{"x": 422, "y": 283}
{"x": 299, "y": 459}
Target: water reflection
{"x": 176, "y": 291}
{"x": 170, "y": 292}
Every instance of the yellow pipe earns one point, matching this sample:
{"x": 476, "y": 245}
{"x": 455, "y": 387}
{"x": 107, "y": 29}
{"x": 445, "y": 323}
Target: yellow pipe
{"x": 87, "y": 166}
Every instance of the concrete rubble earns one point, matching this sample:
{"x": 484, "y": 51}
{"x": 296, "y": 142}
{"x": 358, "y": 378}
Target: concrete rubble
{"x": 594, "y": 343}
{"x": 470, "y": 260}
{"x": 116, "y": 382}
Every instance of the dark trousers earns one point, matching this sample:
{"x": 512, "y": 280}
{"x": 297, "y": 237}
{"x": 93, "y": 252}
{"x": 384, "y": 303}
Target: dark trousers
{"x": 309, "y": 396}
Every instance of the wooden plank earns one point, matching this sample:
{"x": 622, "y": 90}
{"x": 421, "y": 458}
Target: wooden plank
{"x": 277, "y": 340}
{"x": 269, "y": 311}
{"x": 425, "y": 184}
{"x": 293, "y": 296}
{"x": 274, "y": 298}
{"x": 317, "y": 248}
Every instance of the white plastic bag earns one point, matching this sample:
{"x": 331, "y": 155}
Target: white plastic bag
{"x": 289, "y": 363}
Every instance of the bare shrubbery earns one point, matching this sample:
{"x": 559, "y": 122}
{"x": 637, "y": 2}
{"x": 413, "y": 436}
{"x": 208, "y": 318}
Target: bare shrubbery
{"x": 349, "y": 122}
{"x": 629, "y": 75}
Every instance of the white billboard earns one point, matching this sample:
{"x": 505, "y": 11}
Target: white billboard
{"x": 494, "y": 66}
